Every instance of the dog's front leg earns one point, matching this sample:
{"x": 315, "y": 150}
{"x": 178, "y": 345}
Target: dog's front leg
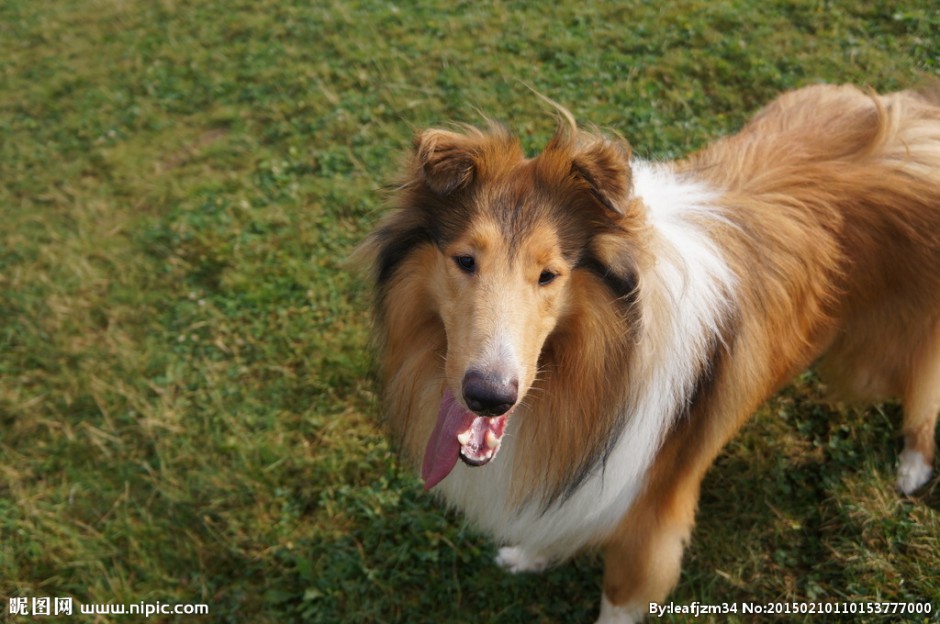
{"x": 643, "y": 556}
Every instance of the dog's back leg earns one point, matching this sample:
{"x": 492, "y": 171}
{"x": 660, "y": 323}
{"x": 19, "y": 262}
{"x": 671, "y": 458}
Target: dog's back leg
{"x": 921, "y": 401}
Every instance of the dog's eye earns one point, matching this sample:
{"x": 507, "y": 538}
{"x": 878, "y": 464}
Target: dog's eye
{"x": 546, "y": 277}
{"x": 466, "y": 263}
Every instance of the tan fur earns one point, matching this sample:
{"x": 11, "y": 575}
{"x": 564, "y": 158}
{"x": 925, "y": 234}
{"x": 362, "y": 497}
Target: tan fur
{"x": 839, "y": 247}
{"x": 831, "y": 224}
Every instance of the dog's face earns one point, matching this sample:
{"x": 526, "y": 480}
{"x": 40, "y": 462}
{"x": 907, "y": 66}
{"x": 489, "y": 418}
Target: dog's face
{"x": 498, "y": 300}
{"x": 509, "y": 239}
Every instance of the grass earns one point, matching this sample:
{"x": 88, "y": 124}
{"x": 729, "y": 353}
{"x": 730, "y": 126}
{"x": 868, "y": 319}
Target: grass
{"x": 186, "y": 410}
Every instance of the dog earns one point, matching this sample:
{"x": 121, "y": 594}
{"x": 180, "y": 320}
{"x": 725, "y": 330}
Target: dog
{"x": 567, "y": 341}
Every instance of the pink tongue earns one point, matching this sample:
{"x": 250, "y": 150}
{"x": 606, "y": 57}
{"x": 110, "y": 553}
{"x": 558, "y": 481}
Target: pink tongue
{"x": 443, "y": 449}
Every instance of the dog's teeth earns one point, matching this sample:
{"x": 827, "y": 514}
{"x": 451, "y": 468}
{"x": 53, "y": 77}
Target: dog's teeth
{"x": 465, "y": 437}
{"x": 491, "y": 440}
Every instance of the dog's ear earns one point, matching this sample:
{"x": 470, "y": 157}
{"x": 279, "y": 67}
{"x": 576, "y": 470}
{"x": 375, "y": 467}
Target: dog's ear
{"x": 604, "y": 165}
{"x": 445, "y": 160}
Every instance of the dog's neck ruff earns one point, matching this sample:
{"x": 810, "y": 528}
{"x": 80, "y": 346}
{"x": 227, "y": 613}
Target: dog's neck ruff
{"x": 685, "y": 297}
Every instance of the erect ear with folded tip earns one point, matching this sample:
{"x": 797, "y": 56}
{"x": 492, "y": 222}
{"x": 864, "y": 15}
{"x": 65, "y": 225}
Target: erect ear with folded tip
{"x": 604, "y": 165}
{"x": 445, "y": 160}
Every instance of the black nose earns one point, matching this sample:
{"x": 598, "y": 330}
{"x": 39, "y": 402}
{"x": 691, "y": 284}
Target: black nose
{"x": 487, "y": 395}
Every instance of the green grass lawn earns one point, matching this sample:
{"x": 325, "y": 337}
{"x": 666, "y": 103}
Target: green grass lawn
{"x": 187, "y": 413}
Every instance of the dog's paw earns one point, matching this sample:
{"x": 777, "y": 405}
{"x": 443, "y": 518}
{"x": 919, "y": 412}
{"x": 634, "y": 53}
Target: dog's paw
{"x": 613, "y": 614}
{"x": 913, "y": 472}
{"x": 516, "y": 560}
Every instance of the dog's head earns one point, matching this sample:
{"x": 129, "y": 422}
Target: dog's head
{"x": 508, "y": 246}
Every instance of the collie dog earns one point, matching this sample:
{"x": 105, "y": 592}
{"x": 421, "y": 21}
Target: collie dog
{"x": 567, "y": 341}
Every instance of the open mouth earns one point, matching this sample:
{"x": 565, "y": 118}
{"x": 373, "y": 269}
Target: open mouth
{"x": 480, "y": 441}
{"x": 459, "y": 433}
